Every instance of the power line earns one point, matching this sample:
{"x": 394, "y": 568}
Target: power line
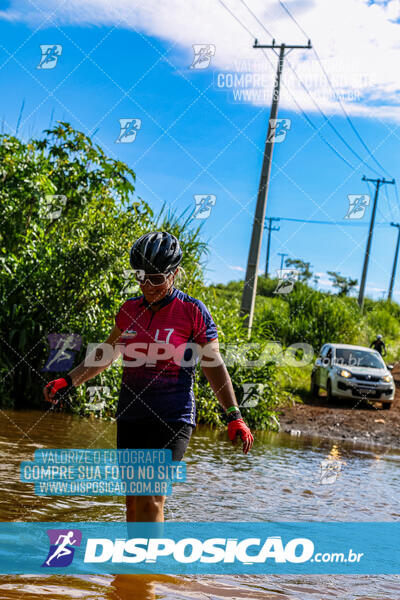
{"x": 350, "y": 122}
{"x": 237, "y": 19}
{"x": 304, "y": 115}
{"x": 396, "y": 191}
{"x": 396, "y": 254}
{"x": 335, "y": 93}
{"x": 389, "y": 204}
{"x": 331, "y": 146}
{"x": 346, "y": 224}
{"x": 371, "y": 193}
{"x": 309, "y": 94}
{"x": 378, "y": 183}
{"x": 257, "y": 19}
{"x": 250, "y": 287}
{"x": 269, "y": 228}
{"x": 315, "y": 103}
{"x": 331, "y": 124}
{"x": 292, "y": 17}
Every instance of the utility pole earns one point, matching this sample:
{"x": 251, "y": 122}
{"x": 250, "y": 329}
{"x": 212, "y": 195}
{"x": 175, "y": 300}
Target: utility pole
{"x": 282, "y": 255}
{"x": 396, "y": 254}
{"x": 378, "y": 182}
{"x": 269, "y": 228}
{"x": 250, "y": 284}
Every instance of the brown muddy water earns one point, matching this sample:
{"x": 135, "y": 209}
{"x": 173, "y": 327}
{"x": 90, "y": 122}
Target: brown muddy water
{"x": 278, "y": 481}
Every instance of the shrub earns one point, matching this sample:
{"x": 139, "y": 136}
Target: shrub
{"x": 311, "y": 317}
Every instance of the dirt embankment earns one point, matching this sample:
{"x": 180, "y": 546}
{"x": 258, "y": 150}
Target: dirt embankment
{"x": 350, "y": 420}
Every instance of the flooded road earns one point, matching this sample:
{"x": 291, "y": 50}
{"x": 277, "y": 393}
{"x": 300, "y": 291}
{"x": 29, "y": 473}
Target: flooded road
{"x": 280, "y": 480}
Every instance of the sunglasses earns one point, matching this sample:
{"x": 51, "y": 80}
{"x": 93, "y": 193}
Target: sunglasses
{"x": 154, "y": 279}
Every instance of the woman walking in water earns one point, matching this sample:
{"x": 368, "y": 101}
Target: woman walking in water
{"x": 156, "y": 407}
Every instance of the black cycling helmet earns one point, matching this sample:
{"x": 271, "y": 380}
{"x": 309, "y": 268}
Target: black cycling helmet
{"x": 156, "y": 252}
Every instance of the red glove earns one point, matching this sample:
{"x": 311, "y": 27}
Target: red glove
{"x": 57, "y": 388}
{"x": 239, "y": 427}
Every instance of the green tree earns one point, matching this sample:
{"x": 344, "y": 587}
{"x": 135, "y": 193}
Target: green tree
{"x": 303, "y": 267}
{"x": 344, "y": 284}
{"x": 67, "y": 223}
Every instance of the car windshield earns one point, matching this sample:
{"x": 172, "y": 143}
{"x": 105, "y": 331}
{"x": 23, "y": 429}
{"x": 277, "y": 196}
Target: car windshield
{"x": 358, "y": 358}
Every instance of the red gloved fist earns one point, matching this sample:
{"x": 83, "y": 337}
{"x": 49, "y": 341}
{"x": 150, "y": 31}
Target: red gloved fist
{"x": 57, "y": 388}
{"x": 239, "y": 427}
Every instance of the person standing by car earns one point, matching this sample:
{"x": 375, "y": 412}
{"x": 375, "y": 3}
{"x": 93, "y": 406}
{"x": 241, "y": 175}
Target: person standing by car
{"x": 379, "y": 345}
{"x": 156, "y": 407}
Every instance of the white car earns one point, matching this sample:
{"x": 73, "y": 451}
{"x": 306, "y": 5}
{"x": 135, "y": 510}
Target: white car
{"x": 346, "y": 371}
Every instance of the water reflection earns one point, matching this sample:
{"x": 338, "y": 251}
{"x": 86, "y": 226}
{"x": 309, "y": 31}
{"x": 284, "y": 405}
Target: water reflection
{"x": 278, "y": 481}
{"x": 127, "y": 587}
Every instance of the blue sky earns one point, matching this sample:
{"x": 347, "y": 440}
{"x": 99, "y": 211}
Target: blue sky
{"x": 195, "y": 139}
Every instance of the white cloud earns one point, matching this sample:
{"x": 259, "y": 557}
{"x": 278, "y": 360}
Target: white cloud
{"x": 358, "y": 42}
{"x": 236, "y": 268}
{"x": 323, "y": 280}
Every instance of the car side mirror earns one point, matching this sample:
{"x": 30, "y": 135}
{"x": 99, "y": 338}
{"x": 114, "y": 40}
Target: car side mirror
{"x": 390, "y": 367}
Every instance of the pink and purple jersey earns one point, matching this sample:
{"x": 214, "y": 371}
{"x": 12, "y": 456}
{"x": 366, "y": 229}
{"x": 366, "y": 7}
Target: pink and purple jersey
{"x": 158, "y": 354}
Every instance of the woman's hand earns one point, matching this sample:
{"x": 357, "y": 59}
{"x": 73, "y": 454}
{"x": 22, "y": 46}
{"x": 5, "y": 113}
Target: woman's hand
{"x": 57, "y": 389}
{"x": 239, "y": 428}
{"x": 218, "y": 377}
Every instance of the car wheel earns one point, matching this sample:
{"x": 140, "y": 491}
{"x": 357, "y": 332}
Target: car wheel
{"x": 329, "y": 391}
{"x": 386, "y": 405}
{"x": 314, "y": 387}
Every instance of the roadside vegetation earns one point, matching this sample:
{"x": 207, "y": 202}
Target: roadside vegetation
{"x": 314, "y": 317}
{"x": 68, "y": 220}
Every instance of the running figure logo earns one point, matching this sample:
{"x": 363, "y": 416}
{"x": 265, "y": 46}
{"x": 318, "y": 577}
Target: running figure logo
{"x": 96, "y": 394}
{"x": 62, "y": 546}
{"x": 287, "y": 279}
{"x": 204, "y": 204}
{"x": 357, "y": 206}
{"x": 252, "y": 392}
{"x": 50, "y": 56}
{"x": 53, "y": 206}
{"x": 278, "y": 129}
{"x": 330, "y": 470}
{"x": 130, "y": 283}
{"x": 129, "y": 128}
{"x": 62, "y": 351}
{"x": 203, "y": 54}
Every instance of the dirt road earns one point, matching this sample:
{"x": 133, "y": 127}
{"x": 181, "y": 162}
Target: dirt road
{"x": 346, "y": 420}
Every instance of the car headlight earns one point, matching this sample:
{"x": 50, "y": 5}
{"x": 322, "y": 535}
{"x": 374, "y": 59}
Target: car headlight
{"x": 345, "y": 373}
{"x": 387, "y": 378}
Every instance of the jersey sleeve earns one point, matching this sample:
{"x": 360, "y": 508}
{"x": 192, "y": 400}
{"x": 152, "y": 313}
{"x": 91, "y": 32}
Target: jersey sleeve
{"x": 204, "y": 328}
{"x": 121, "y": 318}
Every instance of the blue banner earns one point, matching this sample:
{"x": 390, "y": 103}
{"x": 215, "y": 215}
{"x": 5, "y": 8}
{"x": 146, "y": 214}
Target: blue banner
{"x": 200, "y": 548}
